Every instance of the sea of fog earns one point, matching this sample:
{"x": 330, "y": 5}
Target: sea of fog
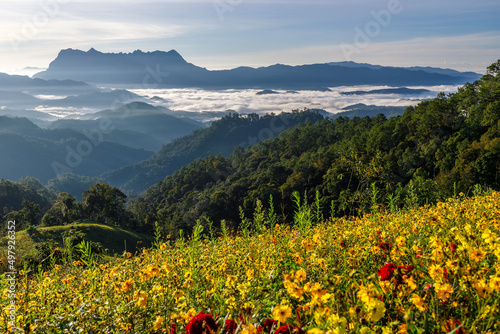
{"x": 246, "y": 101}
{"x": 206, "y": 105}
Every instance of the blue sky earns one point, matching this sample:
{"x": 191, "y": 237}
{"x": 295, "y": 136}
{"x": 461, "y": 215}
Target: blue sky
{"x": 217, "y": 34}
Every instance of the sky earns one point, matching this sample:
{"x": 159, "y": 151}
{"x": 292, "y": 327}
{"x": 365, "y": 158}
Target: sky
{"x": 219, "y": 34}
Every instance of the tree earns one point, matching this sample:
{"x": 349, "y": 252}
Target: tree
{"x": 64, "y": 211}
{"x": 25, "y": 217}
{"x": 494, "y": 69}
{"x": 104, "y": 203}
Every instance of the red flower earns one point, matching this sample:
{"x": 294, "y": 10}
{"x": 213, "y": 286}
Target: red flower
{"x": 230, "y": 326}
{"x": 201, "y": 324}
{"x": 289, "y": 329}
{"x": 268, "y": 325}
{"x": 387, "y": 271}
{"x": 408, "y": 269}
{"x": 453, "y": 324}
{"x": 173, "y": 328}
{"x": 385, "y": 245}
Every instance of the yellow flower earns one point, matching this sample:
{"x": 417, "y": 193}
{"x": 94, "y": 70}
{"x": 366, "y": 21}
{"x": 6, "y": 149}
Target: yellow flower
{"x": 158, "y": 323}
{"x": 126, "y": 327}
{"x": 151, "y": 271}
{"x": 189, "y": 315}
{"x": 179, "y": 295}
{"x": 488, "y": 236}
{"x": 477, "y": 254}
{"x": 386, "y": 330}
{"x": 386, "y": 286}
{"x": 481, "y": 287}
{"x": 188, "y": 283}
{"x": 376, "y": 309}
{"x": 400, "y": 241}
{"x": 163, "y": 246}
{"x": 418, "y": 302}
{"x": 301, "y": 275}
{"x": 495, "y": 283}
{"x": 307, "y": 244}
{"x": 411, "y": 283}
{"x": 281, "y": 313}
{"x": 317, "y": 237}
{"x": 250, "y": 274}
{"x": 352, "y": 312}
{"x": 113, "y": 272}
{"x": 158, "y": 288}
{"x": 338, "y": 324}
{"x": 435, "y": 271}
{"x": 443, "y": 291}
{"x": 141, "y": 297}
{"x": 127, "y": 285}
{"x": 250, "y": 329}
{"x": 315, "y": 331}
{"x": 294, "y": 290}
{"x": 68, "y": 279}
{"x": 366, "y": 330}
{"x": 297, "y": 259}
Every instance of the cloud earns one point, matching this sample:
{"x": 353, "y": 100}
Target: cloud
{"x": 247, "y": 100}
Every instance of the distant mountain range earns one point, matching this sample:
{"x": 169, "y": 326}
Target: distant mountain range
{"x": 137, "y": 125}
{"x": 400, "y": 91}
{"x": 161, "y": 69}
{"x": 101, "y": 142}
{"x": 9, "y": 83}
{"x": 28, "y": 150}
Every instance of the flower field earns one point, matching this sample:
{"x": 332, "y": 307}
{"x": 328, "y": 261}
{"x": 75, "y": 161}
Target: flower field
{"x": 429, "y": 270}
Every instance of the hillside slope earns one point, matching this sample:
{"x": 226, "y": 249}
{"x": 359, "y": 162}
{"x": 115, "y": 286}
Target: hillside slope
{"x": 222, "y": 137}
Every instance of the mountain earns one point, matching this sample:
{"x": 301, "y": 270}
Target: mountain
{"x": 28, "y": 150}
{"x": 362, "y": 110}
{"x": 161, "y": 69}
{"x": 221, "y": 138}
{"x": 20, "y": 83}
{"x": 400, "y": 90}
{"x": 137, "y": 124}
{"x": 472, "y": 76}
{"x": 148, "y": 69}
{"x": 95, "y": 100}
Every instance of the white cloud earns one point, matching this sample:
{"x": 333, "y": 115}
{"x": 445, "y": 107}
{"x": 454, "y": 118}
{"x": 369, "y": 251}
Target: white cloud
{"x": 247, "y": 100}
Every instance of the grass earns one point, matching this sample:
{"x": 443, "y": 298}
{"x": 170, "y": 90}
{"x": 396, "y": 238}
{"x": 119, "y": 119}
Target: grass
{"x": 116, "y": 240}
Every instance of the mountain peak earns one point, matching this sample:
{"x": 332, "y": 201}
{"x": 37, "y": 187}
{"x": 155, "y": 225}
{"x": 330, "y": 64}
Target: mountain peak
{"x": 120, "y": 67}
{"x": 93, "y": 51}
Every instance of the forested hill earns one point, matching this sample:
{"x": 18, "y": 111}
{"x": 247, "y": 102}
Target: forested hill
{"x": 439, "y": 147}
{"x": 222, "y": 137}
{"x": 28, "y": 150}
